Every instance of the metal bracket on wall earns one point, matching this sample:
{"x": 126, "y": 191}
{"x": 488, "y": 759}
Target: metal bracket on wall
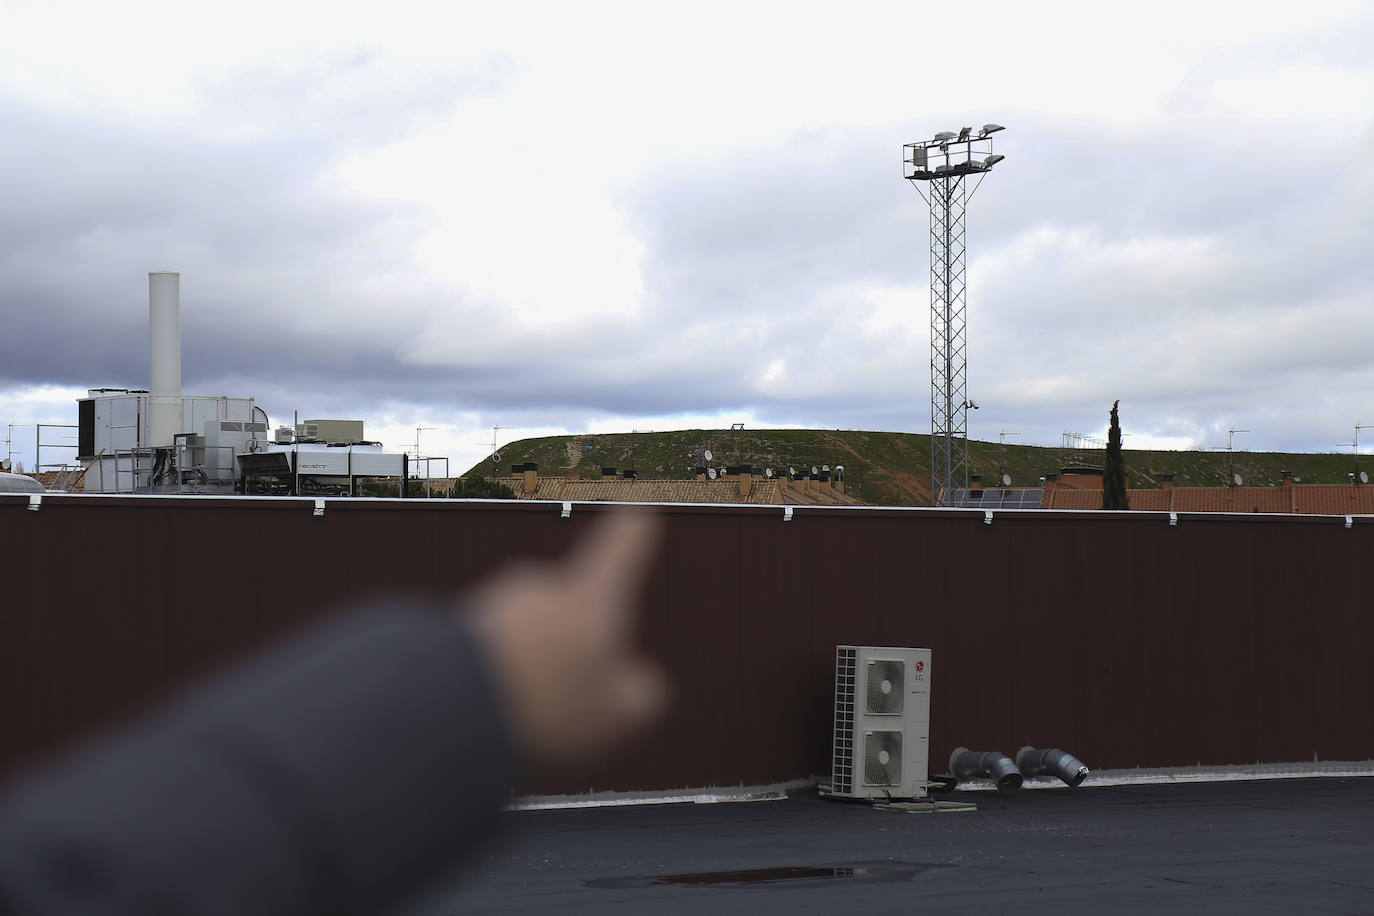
{"x": 1350, "y": 521}
{"x": 787, "y": 513}
{"x": 987, "y": 516}
{"x": 1173, "y": 519}
{"x": 567, "y": 510}
{"x": 35, "y": 501}
{"x": 319, "y": 508}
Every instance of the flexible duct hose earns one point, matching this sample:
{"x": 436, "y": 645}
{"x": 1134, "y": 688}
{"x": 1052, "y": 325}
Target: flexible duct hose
{"x": 993, "y": 765}
{"x": 1034, "y": 761}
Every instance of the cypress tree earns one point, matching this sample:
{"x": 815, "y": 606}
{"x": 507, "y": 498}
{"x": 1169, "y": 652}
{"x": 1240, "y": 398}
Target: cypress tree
{"x": 1114, "y": 470}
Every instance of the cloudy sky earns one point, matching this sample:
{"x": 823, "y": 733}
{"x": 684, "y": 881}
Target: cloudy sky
{"x": 600, "y": 217}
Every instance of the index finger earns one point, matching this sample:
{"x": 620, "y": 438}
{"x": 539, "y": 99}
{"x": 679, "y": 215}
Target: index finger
{"x": 612, "y": 561}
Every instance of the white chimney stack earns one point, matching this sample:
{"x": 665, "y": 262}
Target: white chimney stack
{"x": 164, "y": 357}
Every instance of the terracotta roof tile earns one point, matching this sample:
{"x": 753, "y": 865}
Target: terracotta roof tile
{"x": 1232, "y": 499}
{"x": 1149, "y": 500}
{"x": 1334, "y": 499}
{"x": 1071, "y": 498}
{"x": 1304, "y": 499}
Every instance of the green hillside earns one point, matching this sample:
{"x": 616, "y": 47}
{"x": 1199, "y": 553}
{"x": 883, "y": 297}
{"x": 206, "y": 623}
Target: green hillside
{"x": 892, "y": 468}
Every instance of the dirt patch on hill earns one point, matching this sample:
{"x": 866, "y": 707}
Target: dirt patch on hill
{"x": 915, "y": 489}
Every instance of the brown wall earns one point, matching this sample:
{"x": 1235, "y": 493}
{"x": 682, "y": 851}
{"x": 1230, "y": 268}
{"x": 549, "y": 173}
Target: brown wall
{"x": 1225, "y": 639}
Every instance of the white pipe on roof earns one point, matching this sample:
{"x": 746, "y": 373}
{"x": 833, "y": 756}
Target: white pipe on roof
{"x": 164, "y": 357}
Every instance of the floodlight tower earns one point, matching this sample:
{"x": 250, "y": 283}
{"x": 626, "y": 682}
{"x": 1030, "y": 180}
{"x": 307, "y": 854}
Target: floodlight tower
{"x": 947, "y": 163}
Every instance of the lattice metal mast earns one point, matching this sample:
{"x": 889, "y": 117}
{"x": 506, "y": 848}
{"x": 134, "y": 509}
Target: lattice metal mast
{"x": 947, "y": 163}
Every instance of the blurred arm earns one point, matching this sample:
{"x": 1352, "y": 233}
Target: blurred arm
{"x": 334, "y": 775}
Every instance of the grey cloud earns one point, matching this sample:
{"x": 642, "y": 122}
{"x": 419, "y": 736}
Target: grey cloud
{"x": 759, "y": 256}
{"x": 92, "y": 202}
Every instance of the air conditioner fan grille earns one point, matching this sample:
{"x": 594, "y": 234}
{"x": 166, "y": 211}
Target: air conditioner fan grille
{"x": 882, "y": 758}
{"x": 885, "y": 688}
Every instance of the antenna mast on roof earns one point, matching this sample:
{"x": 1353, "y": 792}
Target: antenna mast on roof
{"x": 495, "y": 454}
{"x": 1230, "y": 454}
{"x": 948, "y": 163}
{"x": 1002, "y": 454}
{"x": 1355, "y": 445}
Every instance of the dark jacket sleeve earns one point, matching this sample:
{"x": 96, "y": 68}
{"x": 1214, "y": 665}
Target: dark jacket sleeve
{"x": 338, "y": 774}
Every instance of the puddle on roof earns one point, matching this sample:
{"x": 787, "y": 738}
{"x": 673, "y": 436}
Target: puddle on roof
{"x": 795, "y": 874}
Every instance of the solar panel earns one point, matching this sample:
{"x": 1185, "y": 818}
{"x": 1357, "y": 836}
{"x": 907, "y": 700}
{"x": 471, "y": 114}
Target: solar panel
{"x": 998, "y": 498}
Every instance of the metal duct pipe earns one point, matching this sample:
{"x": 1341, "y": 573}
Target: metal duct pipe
{"x": 1034, "y": 761}
{"x": 993, "y": 765}
{"x": 164, "y": 357}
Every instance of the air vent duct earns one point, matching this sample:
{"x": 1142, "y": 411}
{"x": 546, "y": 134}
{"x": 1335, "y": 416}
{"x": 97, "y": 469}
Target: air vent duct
{"x": 993, "y": 765}
{"x": 1034, "y": 761}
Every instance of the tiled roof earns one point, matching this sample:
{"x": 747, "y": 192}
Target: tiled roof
{"x": 71, "y": 478}
{"x": 1303, "y": 498}
{"x": 1232, "y": 499}
{"x": 1071, "y": 498}
{"x": 761, "y": 492}
{"x": 1334, "y": 499}
{"x": 1146, "y": 500}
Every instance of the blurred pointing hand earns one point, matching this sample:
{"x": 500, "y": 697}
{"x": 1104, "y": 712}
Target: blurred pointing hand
{"x": 561, "y": 638}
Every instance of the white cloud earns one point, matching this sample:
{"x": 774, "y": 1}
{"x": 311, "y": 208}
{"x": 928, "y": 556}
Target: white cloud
{"x": 609, "y": 216}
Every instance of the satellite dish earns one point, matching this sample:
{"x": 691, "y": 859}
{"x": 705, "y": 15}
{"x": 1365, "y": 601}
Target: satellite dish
{"x": 825, "y": 468}
{"x": 1237, "y": 479}
{"x": 813, "y": 470}
{"x": 1006, "y": 480}
{"x": 768, "y": 472}
{"x": 1364, "y": 478}
{"x": 711, "y": 473}
{"x": 707, "y": 455}
{"x": 839, "y": 469}
{"x": 792, "y": 471}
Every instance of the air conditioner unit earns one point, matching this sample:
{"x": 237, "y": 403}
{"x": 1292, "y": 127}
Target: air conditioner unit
{"x": 882, "y": 722}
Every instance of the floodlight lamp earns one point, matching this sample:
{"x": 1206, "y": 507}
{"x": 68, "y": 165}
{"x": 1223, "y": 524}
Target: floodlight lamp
{"x": 964, "y": 132}
{"x": 992, "y": 160}
{"x": 945, "y": 135}
{"x": 990, "y": 129}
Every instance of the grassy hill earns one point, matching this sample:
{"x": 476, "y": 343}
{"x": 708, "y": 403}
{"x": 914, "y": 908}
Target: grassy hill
{"x": 893, "y": 468}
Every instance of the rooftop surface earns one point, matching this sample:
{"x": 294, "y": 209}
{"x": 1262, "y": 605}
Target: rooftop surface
{"x": 1277, "y": 846}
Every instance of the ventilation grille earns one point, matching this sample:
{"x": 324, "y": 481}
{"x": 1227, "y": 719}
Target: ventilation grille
{"x": 882, "y": 758}
{"x": 884, "y": 688}
{"x": 842, "y": 764}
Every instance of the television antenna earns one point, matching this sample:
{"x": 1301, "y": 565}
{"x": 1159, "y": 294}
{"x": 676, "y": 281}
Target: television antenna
{"x": 494, "y": 454}
{"x": 947, "y": 163}
{"x": 1002, "y": 455}
{"x": 1230, "y": 454}
{"x": 9, "y": 447}
{"x": 1364, "y": 478}
{"x": 418, "y": 430}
